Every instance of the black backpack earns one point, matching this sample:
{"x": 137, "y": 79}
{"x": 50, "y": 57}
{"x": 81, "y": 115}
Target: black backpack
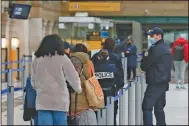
{"x": 178, "y": 53}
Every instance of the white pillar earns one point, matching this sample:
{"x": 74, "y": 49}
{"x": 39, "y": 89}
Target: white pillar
{"x": 26, "y": 37}
{"x": 44, "y": 25}
{"x": 55, "y": 28}
{"x": 26, "y": 44}
{"x": 49, "y": 28}
{"x": 7, "y": 33}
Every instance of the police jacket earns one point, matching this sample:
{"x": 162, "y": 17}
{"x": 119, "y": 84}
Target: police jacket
{"x": 104, "y": 69}
{"x": 131, "y": 56}
{"x": 157, "y": 64}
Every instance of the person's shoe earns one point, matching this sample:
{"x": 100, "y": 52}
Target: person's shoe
{"x": 177, "y": 87}
{"x": 182, "y": 86}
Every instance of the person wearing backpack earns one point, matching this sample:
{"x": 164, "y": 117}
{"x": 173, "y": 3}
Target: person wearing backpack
{"x": 84, "y": 110}
{"x": 180, "y": 56}
{"x": 109, "y": 70}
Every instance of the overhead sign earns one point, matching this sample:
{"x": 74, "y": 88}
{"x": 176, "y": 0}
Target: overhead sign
{"x": 79, "y": 19}
{"x": 93, "y": 36}
{"x": 95, "y": 6}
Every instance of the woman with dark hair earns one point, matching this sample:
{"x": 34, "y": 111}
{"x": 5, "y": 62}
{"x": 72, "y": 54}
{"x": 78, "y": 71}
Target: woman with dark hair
{"x": 50, "y": 70}
{"x": 83, "y": 107}
{"x": 80, "y": 48}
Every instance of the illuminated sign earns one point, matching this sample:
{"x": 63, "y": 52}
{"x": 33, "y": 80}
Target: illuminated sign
{"x": 94, "y": 6}
{"x": 93, "y": 36}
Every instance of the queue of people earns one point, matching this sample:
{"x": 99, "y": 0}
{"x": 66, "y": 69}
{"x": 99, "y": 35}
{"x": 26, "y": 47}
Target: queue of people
{"x": 61, "y": 90}
{"x": 53, "y": 76}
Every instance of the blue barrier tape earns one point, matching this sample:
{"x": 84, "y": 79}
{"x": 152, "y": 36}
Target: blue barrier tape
{"x": 127, "y": 87}
{"x": 16, "y": 70}
{"x": 19, "y": 61}
{"x": 5, "y": 71}
{"x": 140, "y": 54}
{"x": 13, "y": 70}
{"x": 119, "y": 94}
{"x": 5, "y": 91}
{"x": 135, "y": 81}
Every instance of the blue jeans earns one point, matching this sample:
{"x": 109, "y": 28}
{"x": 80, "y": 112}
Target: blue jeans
{"x": 35, "y": 119}
{"x": 48, "y": 117}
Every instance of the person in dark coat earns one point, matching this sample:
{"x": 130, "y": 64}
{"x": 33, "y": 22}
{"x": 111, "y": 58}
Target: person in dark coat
{"x": 107, "y": 62}
{"x": 157, "y": 66}
{"x": 131, "y": 54}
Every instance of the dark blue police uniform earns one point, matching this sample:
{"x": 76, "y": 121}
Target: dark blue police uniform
{"x": 131, "y": 60}
{"x": 109, "y": 85}
{"x": 157, "y": 66}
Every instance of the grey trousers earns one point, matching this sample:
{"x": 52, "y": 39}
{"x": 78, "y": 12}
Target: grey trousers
{"x": 180, "y": 67}
{"x": 87, "y": 117}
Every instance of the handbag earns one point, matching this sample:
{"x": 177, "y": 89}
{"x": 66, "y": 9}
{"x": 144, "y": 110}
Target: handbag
{"x": 72, "y": 119}
{"x": 29, "y": 102}
{"x": 93, "y": 90}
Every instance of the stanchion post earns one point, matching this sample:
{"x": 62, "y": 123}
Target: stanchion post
{"x": 101, "y": 117}
{"x": 110, "y": 111}
{"x": 131, "y": 103}
{"x": 124, "y": 63}
{"x": 143, "y": 89}
{"x": 123, "y": 108}
{"x": 138, "y": 105}
{"x": 123, "y": 100}
{"x": 23, "y": 76}
{"x": 10, "y": 99}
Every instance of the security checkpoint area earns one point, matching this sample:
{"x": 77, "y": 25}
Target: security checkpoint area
{"x": 89, "y": 26}
{"x": 130, "y": 100}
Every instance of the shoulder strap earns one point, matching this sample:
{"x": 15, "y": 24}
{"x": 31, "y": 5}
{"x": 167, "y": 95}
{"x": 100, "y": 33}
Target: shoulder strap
{"x": 70, "y": 107}
{"x": 76, "y": 98}
{"x": 91, "y": 68}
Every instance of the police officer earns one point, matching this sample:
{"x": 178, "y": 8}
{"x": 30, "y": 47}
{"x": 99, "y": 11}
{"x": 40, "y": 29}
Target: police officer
{"x": 67, "y": 48}
{"x": 131, "y": 54}
{"x": 157, "y": 65}
{"x": 109, "y": 71}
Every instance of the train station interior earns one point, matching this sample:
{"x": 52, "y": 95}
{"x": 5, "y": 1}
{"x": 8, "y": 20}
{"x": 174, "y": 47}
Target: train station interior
{"x": 90, "y": 23}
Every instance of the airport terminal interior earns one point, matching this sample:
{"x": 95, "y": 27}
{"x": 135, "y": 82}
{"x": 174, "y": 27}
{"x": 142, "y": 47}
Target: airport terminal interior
{"x": 25, "y": 23}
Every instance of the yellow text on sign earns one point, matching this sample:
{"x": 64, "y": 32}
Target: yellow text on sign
{"x": 94, "y": 6}
{"x": 93, "y": 45}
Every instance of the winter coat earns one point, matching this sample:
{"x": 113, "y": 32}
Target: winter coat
{"x": 49, "y": 75}
{"x": 82, "y": 103}
{"x": 131, "y": 56}
{"x": 184, "y": 42}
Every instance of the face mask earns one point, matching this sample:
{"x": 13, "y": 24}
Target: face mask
{"x": 152, "y": 40}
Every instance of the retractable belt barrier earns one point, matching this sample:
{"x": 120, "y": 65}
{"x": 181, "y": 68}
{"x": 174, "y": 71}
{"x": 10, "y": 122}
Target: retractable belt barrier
{"x": 130, "y": 102}
{"x": 10, "y": 84}
{"x": 129, "y": 97}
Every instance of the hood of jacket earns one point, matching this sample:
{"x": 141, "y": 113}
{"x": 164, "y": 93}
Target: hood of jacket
{"x": 181, "y": 41}
{"x": 82, "y": 56}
